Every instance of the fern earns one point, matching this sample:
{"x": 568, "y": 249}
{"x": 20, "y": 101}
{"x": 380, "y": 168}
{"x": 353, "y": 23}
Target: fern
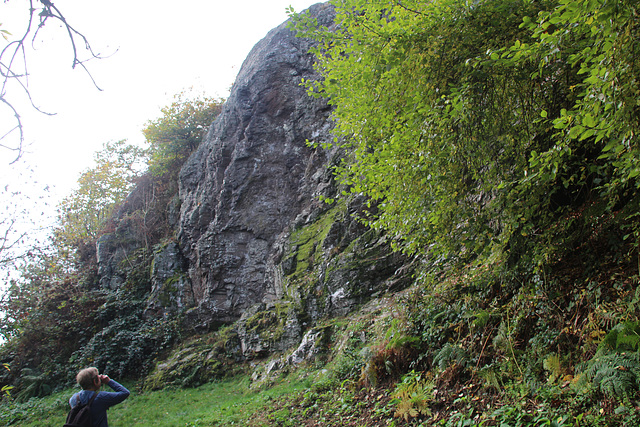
{"x": 34, "y": 385}
{"x": 490, "y": 378}
{"x": 623, "y": 337}
{"x": 615, "y": 375}
{"x": 615, "y": 369}
{"x": 412, "y": 396}
{"x": 450, "y": 354}
{"x": 552, "y": 365}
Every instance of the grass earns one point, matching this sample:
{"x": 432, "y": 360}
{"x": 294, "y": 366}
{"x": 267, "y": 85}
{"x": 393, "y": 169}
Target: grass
{"x": 225, "y": 403}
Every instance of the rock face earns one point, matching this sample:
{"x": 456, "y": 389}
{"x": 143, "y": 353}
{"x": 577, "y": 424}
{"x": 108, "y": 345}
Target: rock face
{"x": 256, "y": 249}
{"x": 171, "y": 288}
{"x": 252, "y": 176}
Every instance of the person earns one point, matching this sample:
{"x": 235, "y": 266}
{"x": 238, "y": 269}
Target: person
{"x": 90, "y": 380}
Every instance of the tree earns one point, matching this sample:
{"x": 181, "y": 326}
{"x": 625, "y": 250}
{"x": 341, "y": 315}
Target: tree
{"x": 101, "y": 189}
{"x": 171, "y": 138}
{"x": 179, "y": 131}
{"x": 600, "y": 40}
{"x": 428, "y": 135}
{"x": 14, "y": 68}
{"x": 477, "y": 127}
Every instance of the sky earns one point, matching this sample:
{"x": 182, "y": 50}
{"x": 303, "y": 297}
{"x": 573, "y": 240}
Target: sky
{"x": 153, "y": 50}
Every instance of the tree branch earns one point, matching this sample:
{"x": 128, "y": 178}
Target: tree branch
{"x": 13, "y": 56}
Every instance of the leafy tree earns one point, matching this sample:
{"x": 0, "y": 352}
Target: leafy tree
{"x": 171, "y": 138}
{"x": 600, "y": 40}
{"x": 179, "y": 131}
{"x": 477, "y": 127}
{"x": 429, "y": 136}
{"x": 45, "y": 317}
{"x": 101, "y": 189}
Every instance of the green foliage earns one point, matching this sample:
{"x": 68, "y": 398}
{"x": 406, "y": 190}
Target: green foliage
{"x": 197, "y": 361}
{"x": 101, "y": 189}
{"x": 427, "y": 122}
{"x": 450, "y": 354}
{"x": 553, "y": 367}
{"x": 615, "y": 369}
{"x": 615, "y": 374}
{"x": 178, "y": 132}
{"x": 412, "y": 396}
{"x": 49, "y": 411}
{"x": 34, "y": 385}
{"x": 623, "y": 337}
{"x": 600, "y": 39}
{"x": 127, "y": 343}
{"x": 44, "y": 321}
{"x": 475, "y": 128}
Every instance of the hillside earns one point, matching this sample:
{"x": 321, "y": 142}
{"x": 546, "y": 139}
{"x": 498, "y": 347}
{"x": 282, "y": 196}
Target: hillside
{"x": 423, "y": 212}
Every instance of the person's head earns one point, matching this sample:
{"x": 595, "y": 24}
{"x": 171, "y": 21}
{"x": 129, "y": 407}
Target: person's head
{"x": 88, "y": 378}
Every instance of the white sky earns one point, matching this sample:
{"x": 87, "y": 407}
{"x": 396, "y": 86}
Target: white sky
{"x": 163, "y": 47}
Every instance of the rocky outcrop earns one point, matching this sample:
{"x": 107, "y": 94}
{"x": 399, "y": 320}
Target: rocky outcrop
{"x": 254, "y": 248}
{"x": 252, "y": 176}
{"x": 171, "y": 291}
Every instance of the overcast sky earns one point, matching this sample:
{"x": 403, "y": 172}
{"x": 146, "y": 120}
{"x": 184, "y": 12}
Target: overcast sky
{"x": 154, "y": 50}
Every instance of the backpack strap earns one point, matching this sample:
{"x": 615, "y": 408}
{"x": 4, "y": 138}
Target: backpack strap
{"x": 90, "y": 400}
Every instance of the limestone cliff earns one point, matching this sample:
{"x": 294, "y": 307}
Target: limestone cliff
{"x": 252, "y": 176}
{"x": 254, "y": 244}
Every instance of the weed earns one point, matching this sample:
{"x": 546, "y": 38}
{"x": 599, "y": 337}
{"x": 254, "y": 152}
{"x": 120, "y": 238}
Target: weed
{"x": 412, "y": 396}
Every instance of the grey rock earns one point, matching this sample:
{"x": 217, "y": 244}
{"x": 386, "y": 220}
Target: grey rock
{"x": 253, "y": 175}
{"x": 309, "y": 347}
{"x": 112, "y": 251}
{"x": 255, "y": 246}
{"x": 171, "y": 291}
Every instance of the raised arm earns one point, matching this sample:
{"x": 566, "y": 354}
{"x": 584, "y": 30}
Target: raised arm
{"x": 116, "y": 396}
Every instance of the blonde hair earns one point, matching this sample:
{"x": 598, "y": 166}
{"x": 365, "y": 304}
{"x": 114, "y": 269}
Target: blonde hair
{"x": 86, "y": 378}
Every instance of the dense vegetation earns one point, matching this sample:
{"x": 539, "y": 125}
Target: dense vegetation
{"x": 497, "y": 141}
{"x": 56, "y": 316}
{"x": 497, "y": 144}
{"x": 473, "y": 126}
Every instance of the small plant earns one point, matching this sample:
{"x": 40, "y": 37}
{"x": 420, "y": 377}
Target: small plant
{"x": 623, "y": 337}
{"x": 489, "y": 375}
{"x": 6, "y": 389}
{"x": 412, "y": 396}
{"x": 553, "y": 366}
{"x": 34, "y": 385}
{"x": 615, "y": 369}
{"x": 615, "y": 375}
{"x": 450, "y": 354}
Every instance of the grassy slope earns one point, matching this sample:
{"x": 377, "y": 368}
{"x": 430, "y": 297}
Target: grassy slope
{"x": 219, "y": 403}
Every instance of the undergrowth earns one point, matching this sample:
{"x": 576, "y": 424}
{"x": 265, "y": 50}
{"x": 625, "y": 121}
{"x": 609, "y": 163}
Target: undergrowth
{"x": 484, "y": 344}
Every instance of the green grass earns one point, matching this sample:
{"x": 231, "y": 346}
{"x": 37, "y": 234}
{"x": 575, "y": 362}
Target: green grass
{"x": 215, "y": 404}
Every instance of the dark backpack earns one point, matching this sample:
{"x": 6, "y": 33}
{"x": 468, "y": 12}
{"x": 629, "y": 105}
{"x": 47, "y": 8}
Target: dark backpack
{"x": 80, "y": 414}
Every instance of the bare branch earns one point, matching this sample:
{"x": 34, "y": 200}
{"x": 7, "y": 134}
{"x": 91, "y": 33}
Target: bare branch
{"x": 13, "y": 57}
{"x": 19, "y": 127}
